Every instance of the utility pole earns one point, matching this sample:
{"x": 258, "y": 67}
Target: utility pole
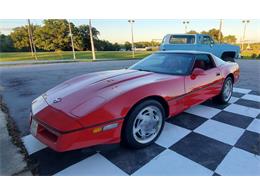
{"x": 30, "y": 40}
{"x": 32, "y": 45}
{"x": 132, "y": 32}
{"x": 186, "y": 25}
{"x": 220, "y": 29}
{"x": 91, "y": 41}
{"x": 244, "y": 34}
{"x": 72, "y": 43}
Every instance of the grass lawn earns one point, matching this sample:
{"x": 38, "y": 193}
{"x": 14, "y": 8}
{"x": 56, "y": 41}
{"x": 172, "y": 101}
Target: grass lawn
{"x": 87, "y": 56}
{"x": 67, "y": 55}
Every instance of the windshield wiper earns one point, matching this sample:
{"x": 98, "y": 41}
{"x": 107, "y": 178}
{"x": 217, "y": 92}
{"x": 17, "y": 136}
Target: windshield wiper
{"x": 140, "y": 69}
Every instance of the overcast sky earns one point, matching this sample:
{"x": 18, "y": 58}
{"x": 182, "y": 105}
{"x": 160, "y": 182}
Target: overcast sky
{"x": 146, "y": 30}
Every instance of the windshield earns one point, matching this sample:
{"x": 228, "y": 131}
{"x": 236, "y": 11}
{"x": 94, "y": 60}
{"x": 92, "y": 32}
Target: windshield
{"x": 167, "y": 63}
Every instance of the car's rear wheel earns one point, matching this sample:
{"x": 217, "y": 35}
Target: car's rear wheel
{"x": 226, "y": 92}
{"x": 144, "y": 124}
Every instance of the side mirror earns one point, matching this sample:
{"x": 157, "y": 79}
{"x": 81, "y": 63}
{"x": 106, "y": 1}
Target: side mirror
{"x": 197, "y": 72}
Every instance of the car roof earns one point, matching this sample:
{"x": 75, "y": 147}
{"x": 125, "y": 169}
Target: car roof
{"x": 184, "y": 52}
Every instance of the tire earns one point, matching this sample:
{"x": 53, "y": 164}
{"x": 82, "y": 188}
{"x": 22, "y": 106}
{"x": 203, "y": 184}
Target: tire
{"x": 149, "y": 117}
{"x": 225, "y": 94}
{"x": 229, "y": 59}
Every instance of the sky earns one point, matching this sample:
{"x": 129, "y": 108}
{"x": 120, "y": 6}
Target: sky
{"x": 118, "y": 30}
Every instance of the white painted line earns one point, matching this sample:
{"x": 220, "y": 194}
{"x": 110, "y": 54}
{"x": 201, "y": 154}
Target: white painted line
{"x": 32, "y": 145}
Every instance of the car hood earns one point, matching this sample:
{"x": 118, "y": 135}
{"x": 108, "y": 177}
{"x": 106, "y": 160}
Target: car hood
{"x": 91, "y": 88}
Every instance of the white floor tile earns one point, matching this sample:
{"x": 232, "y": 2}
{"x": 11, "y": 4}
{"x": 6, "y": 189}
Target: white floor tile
{"x": 240, "y": 90}
{"x": 171, "y": 163}
{"x": 171, "y": 134}
{"x": 239, "y": 162}
{"x": 220, "y": 131}
{"x": 233, "y": 100}
{"x": 203, "y": 111}
{"x": 251, "y": 97}
{"x": 243, "y": 110}
{"x": 32, "y": 145}
{"x": 254, "y": 126}
{"x": 94, "y": 165}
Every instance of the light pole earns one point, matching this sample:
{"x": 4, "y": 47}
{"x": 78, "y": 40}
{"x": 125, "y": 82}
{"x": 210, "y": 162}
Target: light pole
{"x": 132, "y": 32}
{"x": 244, "y": 34}
{"x": 72, "y": 43}
{"x": 220, "y": 29}
{"x": 186, "y": 24}
{"x": 91, "y": 41}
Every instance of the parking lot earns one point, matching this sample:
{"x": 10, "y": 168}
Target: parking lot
{"x": 205, "y": 140}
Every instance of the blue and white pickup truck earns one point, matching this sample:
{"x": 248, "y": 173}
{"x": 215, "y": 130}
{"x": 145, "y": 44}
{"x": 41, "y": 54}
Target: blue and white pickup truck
{"x": 200, "y": 42}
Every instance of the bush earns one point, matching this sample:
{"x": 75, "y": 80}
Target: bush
{"x": 258, "y": 57}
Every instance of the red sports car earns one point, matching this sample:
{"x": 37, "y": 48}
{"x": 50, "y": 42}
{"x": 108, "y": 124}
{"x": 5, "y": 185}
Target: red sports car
{"x": 129, "y": 105}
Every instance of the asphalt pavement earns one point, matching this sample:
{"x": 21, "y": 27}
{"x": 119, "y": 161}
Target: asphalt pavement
{"x": 19, "y": 85}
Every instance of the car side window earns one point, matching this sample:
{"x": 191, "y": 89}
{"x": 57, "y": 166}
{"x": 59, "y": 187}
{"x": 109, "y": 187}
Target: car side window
{"x": 207, "y": 40}
{"x": 204, "y": 62}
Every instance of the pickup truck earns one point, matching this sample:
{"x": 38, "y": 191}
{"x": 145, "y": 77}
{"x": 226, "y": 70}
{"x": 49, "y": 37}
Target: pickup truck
{"x": 200, "y": 42}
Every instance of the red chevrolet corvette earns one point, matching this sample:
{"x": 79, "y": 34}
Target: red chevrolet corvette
{"x": 129, "y": 105}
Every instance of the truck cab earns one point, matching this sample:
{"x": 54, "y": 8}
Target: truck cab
{"x": 200, "y": 42}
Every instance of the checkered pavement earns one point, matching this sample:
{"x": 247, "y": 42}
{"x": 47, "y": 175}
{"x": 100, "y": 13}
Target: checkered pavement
{"x": 208, "y": 139}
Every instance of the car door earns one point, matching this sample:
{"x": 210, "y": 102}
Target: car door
{"x": 199, "y": 88}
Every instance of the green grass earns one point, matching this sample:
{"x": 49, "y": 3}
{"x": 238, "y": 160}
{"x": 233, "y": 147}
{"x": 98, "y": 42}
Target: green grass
{"x": 67, "y": 55}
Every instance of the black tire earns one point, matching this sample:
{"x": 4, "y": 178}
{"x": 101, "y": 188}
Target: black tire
{"x": 128, "y": 138}
{"x": 229, "y": 59}
{"x": 221, "y": 97}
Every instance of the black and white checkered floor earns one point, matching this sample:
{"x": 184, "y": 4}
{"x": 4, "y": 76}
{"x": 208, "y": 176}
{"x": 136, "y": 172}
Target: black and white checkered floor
{"x": 207, "y": 139}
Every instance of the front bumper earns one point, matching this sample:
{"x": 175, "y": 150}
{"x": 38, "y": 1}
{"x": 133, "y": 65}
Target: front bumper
{"x": 76, "y": 139}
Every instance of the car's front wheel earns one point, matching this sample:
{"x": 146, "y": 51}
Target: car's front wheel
{"x": 226, "y": 92}
{"x": 144, "y": 124}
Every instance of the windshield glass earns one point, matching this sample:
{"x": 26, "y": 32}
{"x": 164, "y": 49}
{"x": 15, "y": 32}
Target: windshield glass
{"x": 167, "y": 63}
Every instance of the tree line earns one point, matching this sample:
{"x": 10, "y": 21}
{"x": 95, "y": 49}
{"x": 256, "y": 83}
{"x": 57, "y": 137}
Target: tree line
{"x": 214, "y": 33}
{"x": 54, "y": 35}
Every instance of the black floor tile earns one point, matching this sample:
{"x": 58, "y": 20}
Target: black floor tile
{"x": 214, "y": 104}
{"x": 49, "y": 162}
{"x": 237, "y": 94}
{"x": 216, "y": 174}
{"x": 255, "y": 92}
{"x": 258, "y": 116}
{"x": 233, "y": 119}
{"x": 249, "y": 141}
{"x": 248, "y": 103}
{"x": 130, "y": 160}
{"x": 187, "y": 120}
{"x": 201, "y": 149}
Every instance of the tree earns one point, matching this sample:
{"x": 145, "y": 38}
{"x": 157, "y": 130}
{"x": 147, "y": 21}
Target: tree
{"x": 6, "y": 43}
{"x": 116, "y": 47}
{"x": 53, "y": 35}
{"x": 83, "y": 33}
{"x": 213, "y": 33}
{"x": 230, "y": 39}
{"x": 192, "y": 32}
{"x": 20, "y": 37}
{"x": 128, "y": 46}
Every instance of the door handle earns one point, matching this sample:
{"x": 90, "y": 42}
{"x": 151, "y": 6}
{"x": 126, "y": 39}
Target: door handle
{"x": 218, "y": 74}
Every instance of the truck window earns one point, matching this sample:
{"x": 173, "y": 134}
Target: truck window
{"x": 182, "y": 39}
{"x": 207, "y": 40}
{"x": 204, "y": 62}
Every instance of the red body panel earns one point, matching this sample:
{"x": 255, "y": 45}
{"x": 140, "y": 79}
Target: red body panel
{"x": 69, "y": 113}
